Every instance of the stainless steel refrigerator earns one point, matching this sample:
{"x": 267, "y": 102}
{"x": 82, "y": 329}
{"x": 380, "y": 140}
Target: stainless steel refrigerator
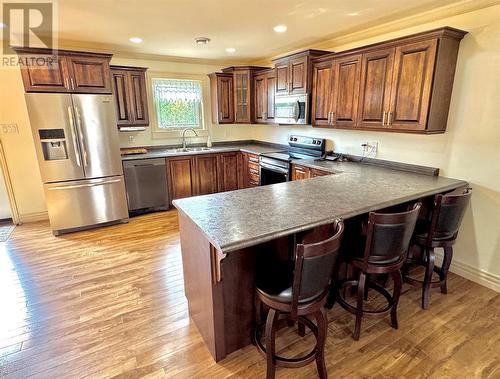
{"x": 78, "y": 152}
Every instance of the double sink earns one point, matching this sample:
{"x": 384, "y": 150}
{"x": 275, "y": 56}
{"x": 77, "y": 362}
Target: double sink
{"x": 189, "y": 149}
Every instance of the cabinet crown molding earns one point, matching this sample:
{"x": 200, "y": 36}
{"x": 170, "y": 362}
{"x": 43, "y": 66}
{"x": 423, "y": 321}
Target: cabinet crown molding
{"x": 46, "y": 51}
{"x": 443, "y": 32}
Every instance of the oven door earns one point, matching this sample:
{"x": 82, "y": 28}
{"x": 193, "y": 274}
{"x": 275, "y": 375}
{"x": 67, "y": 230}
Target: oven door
{"x": 291, "y": 110}
{"x": 270, "y": 174}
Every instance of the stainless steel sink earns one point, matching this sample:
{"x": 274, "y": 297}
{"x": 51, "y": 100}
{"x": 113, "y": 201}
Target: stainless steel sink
{"x": 189, "y": 149}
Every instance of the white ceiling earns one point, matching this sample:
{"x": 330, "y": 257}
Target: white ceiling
{"x": 168, "y": 27}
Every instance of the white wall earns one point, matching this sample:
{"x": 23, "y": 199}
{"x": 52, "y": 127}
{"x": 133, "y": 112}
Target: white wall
{"x": 4, "y": 199}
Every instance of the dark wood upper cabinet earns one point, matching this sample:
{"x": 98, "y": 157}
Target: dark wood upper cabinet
{"x": 335, "y": 92}
{"x": 243, "y": 92}
{"x": 323, "y": 86}
{"x": 271, "y": 95}
{"x": 264, "y": 86}
{"x": 376, "y": 81}
{"x": 402, "y": 85}
{"x": 49, "y": 74}
{"x": 129, "y": 88}
{"x": 347, "y": 74}
{"x": 299, "y": 74}
{"x": 89, "y": 74}
{"x": 260, "y": 98}
{"x": 411, "y": 85}
{"x": 221, "y": 92}
{"x": 282, "y": 69}
{"x": 43, "y": 70}
{"x": 294, "y": 72}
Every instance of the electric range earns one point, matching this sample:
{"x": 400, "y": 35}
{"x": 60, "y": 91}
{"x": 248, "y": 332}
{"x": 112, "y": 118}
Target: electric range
{"x": 275, "y": 167}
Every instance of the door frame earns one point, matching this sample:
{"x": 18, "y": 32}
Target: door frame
{"x": 8, "y": 185}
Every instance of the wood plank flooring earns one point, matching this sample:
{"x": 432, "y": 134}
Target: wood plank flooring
{"x": 109, "y": 303}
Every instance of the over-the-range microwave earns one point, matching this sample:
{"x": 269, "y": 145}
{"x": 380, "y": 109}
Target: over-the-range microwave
{"x": 291, "y": 109}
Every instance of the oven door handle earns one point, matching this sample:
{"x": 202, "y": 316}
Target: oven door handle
{"x": 274, "y": 168}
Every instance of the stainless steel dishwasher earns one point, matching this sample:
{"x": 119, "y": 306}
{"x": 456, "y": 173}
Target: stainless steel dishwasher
{"x": 146, "y": 185}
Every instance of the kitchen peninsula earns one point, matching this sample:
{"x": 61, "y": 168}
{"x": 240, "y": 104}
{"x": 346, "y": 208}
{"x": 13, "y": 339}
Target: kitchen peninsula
{"x": 222, "y": 234}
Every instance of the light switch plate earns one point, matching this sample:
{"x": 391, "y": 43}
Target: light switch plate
{"x": 9, "y": 128}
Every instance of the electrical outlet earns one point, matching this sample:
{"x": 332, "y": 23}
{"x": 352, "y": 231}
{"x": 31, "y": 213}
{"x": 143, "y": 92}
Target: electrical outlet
{"x": 370, "y": 148}
{"x": 131, "y": 139}
{"x": 9, "y": 129}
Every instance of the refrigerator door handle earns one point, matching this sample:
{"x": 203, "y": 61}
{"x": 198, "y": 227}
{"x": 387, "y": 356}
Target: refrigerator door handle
{"x": 82, "y": 137}
{"x": 83, "y": 185}
{"x": 73, "y": 137}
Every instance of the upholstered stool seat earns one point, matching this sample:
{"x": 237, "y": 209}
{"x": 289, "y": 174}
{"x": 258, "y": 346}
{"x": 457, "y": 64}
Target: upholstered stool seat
{"x": 296, "y": 294}
{"x": 439, "y": 231}
{"x": 382, "y": 251}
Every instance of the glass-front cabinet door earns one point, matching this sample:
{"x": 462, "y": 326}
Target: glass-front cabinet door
{"x": 242, "y": 96}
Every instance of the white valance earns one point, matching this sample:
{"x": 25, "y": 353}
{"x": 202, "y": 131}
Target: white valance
{"x": 173, "y": 90}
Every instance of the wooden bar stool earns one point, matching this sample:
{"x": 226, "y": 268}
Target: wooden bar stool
{"x": 295, "y": 292}
{"x": 441, "y": 231}
{"x": 387, "y": 241}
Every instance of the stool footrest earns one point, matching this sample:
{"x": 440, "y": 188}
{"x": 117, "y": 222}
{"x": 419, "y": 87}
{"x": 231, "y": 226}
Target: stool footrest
{"x": 352, "y": 309}
{"x": 289, "y": 362}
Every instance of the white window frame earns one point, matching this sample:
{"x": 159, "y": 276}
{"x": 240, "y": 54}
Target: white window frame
{"x": 159, "y": 133}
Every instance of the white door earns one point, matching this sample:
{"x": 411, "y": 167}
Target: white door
{"x": 4, "y": 200}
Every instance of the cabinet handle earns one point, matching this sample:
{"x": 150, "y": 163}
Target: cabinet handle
{"x": 329, "y": 118}
{"x": 72, "y": 83}
{"x": 265, "y": 115}
{"x": 66, "y": 83}
{"x": 333, "y": 118}
{"x": 389, "y": 118}
{"x": 383, "y": 118}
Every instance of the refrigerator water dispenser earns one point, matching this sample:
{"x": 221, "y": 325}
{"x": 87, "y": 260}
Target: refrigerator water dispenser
{"x": 53, "y": 144}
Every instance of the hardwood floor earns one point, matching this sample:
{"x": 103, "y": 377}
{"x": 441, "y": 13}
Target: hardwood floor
{"x": 110, "y": 303}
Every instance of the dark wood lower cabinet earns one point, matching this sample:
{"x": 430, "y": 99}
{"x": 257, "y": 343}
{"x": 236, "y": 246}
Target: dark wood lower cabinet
{"x": 250, "y": 170}
{"x": 206, "y": 176}
{"x": 181, "y": 172}
{"x": 228, "y": 172}
{"x": 203, "y": 174}
{"x": 301, "y": 172}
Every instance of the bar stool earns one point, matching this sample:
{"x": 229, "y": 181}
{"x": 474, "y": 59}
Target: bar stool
{"x": 441, "y": 231}
{"x": 384, "y": 252}
{"x": 295, "y": 292}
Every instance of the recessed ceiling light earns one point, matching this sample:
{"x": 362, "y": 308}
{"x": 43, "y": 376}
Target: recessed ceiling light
{"x": 353, "y": 14}
{"x": 280, "y": 28}
{"x": 230, "y": 50}
{"x": 202, "y": 40}
{"x": 135, "y": 40}
{"x": 2, "y": 25}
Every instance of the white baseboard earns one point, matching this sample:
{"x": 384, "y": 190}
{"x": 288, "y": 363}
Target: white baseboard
{"x": 33, "y": 217}
{"x": 472, "y": 273}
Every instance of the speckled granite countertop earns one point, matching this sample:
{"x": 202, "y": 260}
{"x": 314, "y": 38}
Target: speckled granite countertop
{"x": 163, "y": 152}
{"x": 238, "y": 219}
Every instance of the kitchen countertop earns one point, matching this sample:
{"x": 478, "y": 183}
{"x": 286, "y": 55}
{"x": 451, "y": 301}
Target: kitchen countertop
{"x": 164, "y": 152}
{"x": 238, "y": 219}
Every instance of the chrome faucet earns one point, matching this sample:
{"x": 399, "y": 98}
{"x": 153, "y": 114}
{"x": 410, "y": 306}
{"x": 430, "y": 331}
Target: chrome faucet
{"x": 184, "y": 136}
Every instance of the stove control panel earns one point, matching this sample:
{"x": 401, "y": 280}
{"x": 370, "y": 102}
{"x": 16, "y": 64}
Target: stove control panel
{"x": 306, "y": 142}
